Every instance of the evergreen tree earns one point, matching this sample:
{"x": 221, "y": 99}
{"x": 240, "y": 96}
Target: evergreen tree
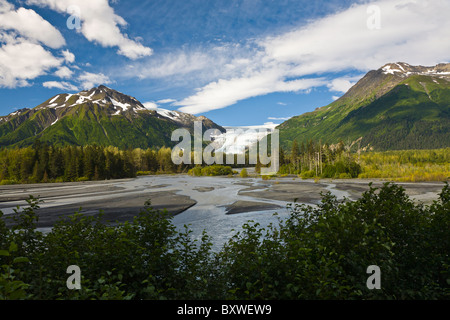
{"x": 295, "y": 152}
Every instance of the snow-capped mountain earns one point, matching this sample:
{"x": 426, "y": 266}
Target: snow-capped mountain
{"x": 398, "y": 106}
{"x": 405, "y": 70}
{"x": 186, "y": 119}
{"x": 101, "y": 116}
{"x": 102, "y": 96}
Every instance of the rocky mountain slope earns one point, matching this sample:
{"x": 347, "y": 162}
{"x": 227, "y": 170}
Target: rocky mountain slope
{"x": 101, "y": 116}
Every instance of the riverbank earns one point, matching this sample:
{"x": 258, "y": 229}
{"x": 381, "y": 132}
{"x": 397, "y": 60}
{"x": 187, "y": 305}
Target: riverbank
{"x": 120, "y": 200}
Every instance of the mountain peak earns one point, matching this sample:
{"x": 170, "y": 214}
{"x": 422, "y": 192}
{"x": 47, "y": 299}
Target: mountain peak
{"x": 404, "y": 70}
{"x": 102, "y": 96}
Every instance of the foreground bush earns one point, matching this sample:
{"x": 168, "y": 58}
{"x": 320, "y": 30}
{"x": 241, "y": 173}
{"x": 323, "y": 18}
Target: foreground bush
{"x": 317, "y": 253}
{"x": 324, "y": 252}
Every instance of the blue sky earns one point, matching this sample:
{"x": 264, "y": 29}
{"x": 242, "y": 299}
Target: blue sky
{"x": 238, "y": 62}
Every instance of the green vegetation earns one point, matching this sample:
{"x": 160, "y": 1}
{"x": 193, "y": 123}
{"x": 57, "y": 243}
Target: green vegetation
{"x": 44, "y": 163}
{"x": 407, "y": 165}
{"x": 318, "y": 160}
{"x": 243, "y": 173}
{"x": 41, "y": 163}
{"x": 346, "y": 161}
{"x": 316, "y": 253}
{"x": 414, "y": 114}
{"x": 213, "y": 170}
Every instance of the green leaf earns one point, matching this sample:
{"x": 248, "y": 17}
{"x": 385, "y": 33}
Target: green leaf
{"x": 20, "y": 259}
{"x": 4, "y": 253}
{"x": 13, "y": 247}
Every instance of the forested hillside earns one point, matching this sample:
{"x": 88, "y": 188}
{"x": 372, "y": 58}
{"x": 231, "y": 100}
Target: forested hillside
{"x": 389, "y": 109}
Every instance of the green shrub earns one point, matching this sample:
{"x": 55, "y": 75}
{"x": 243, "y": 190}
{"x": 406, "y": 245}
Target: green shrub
{"x": 308, "y": 174}
{"x": 213, "y": 170}
{"x": 323, "y": 252}
{"x": 7, "y": 182}
{"x": 244, "y": 173}
{"x": 197, "y": 171}
{"x": 143, "y": 173}
{"x": 10, "y": 287}
{"x": 344, "y": 176}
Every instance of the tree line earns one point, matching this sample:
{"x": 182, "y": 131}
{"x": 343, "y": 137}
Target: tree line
{"x": 48, "y": 163}
{"x": 351, "y": 160}
{"x": 315, "y": 159}
{"x": 44, "y": 163}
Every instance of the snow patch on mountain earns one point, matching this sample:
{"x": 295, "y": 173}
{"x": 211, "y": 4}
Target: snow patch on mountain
{"x": 405, "y": 70}
{"x": 116, "y": 103}
{"x": 68, "y": 97}
{"x": 389, "y": 70}
{"x": 173, "y": 115}
{"x": 53, "y": 100}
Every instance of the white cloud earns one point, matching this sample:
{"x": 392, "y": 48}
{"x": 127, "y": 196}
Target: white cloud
{"x": 343, "y": 84}
{"x": 411, "y": 31}
{"x": 24, "y": 61}
{"x": 69, "y": 57}
{"x": 172, "y": 64}
{"x": 5, "y": 6}
{"x": 195, "y": 67}
{"x": 166, "y": 101}
{"x": 223, "y": 93}
{"x": 100, "y": 24}
{"x": 23, "y": 35}
{"x": 89, "y": 80}
{"x": 63, "y": 73}
{"x": 150, "y": 105}
{"x": 60, "y": 85}
{"x": 340, "y": 85}
{"x": 30, "y": 25}
{"x": 281, "y": 118}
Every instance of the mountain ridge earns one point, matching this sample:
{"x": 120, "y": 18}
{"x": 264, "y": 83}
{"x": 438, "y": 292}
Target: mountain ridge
{"x": 100, "y": 116}
{"x": 397, "y": 106}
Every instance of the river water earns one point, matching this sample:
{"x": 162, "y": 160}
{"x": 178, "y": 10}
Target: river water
{"x": 209, "y": 214}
